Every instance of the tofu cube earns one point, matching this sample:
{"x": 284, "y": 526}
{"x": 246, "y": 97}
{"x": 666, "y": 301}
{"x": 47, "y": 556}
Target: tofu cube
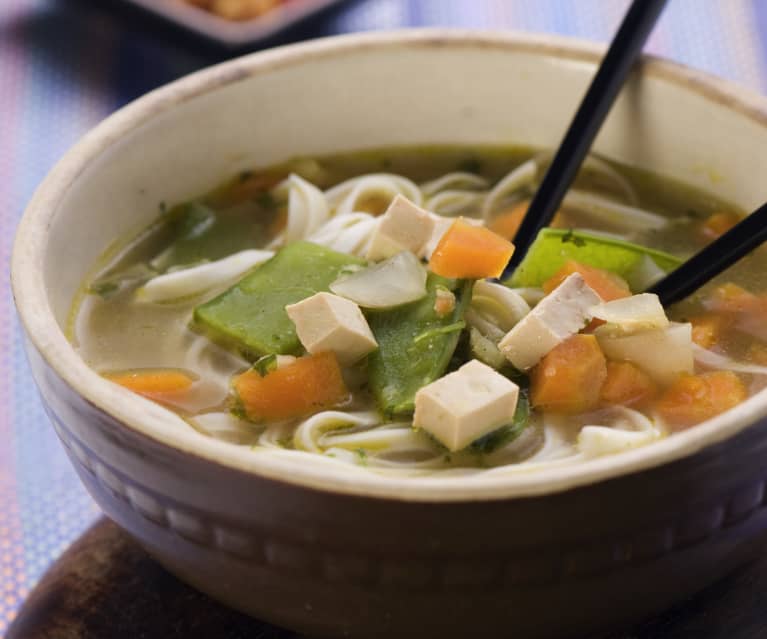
{"x": 465, "y": 405}
{"x": 404, "y": 227}
{"x": 327, "y": 322}
{"x": 561, "y": 314}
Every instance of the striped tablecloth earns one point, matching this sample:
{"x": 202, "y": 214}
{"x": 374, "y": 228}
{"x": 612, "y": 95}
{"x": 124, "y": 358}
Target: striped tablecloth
{"x": 65, "y": 65}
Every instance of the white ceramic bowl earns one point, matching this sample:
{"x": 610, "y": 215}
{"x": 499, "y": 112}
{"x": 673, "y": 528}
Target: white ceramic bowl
{"x": 269, "y": 535}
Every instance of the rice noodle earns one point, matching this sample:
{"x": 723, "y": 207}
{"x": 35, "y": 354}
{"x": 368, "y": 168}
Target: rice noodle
{"x": 196, "y": 280}
{"x": 346, "y": 233}
{"x": 620, "y": 216}
{"x": 307, "y": 207}
{"x": 455, "y": 180}
{"x": 345, "y": 197}
{"x": 454, "y": 202}
{"x": 710, "y": 359}
{"x": 521, "y": 177}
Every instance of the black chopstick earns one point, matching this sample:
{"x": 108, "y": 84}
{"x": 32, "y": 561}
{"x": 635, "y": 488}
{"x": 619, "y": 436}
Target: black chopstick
{"x": 727, "y": 249}
{"x": 620, "y": 57}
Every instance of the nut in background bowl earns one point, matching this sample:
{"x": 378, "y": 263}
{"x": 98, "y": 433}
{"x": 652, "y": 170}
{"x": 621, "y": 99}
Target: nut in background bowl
{"x": 336, "y": 552}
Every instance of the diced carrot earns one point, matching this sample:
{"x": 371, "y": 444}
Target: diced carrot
{"x": 718, "y": 224}
{"x": 731, "y": 298}
{"x": 607, "y": 285}
{"x": 569, "y": 378}
{"x": 695, "y": 398}
{"x": 470, "y": 252}
{"x": 627, "y": 385}
{"x": 308, "y": 385}
{"x": 707, "y": 329}
{"x": 506, "y": 222}
{"x": 154, "y": 383}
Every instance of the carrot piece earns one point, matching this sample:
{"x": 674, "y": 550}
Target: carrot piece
{"x": 718, "y": 224}
{"x": 506, "y": 222}
{"x": 627, "y": 385}
{"x": 308, "y": 385}
{"x": 695, "y": 398}
{"x": 731, "y": 298}
{"x": 707, "y": 329}
{"x": 570, "y": 377}
{"x": 607, "y": 285}
{"x": 470, "y": 252}
{"x": 154, "y": 383}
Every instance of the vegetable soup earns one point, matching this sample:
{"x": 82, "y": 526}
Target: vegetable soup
{"x": 350, "y": 306}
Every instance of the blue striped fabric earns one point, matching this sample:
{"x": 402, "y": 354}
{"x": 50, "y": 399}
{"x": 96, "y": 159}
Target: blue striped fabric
{"x": 66, "y": 65}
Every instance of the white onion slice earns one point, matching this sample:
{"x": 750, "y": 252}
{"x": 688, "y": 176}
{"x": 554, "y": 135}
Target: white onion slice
{"x": 632, "y": 314}
{"x": 198, "y": 279}
{"x": 398, "y": 280}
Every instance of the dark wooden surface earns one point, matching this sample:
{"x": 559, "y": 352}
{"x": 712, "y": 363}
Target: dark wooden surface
{"x": 105, "y": 586}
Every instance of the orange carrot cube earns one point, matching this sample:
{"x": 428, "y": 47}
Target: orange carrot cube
{"x": 695, "y": 398}
{"x": 308, "y": 385}
{"x": 607, "y": 285}
{"x": 627, "y": 385}
{"x": 570, "y": 377}
{"x": 718, "y": 224}
{"x": 707, "y": 329}
{"x": 470, "y": 252}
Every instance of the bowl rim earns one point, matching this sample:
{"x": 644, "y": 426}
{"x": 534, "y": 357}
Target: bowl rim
{"x": 161, "y": 425}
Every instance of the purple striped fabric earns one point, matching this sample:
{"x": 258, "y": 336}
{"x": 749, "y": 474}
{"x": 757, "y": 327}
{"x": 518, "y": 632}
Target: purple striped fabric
{"x": 66, "y": 65}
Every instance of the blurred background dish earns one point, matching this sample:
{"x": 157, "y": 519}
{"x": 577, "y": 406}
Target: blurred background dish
{"x": 235, "y": 23}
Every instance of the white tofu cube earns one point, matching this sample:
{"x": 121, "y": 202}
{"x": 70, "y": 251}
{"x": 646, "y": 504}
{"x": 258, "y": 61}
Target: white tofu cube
{"x": 561, "y": 314}
{"x": 662, "y": 353}
{"x": 327, "y": 322}
{"x": 465, "y": 405}
{"x": 404, "y": 227}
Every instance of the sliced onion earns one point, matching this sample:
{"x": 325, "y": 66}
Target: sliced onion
{"x": 398, "y": 280}
{"x": 632, "y": 314}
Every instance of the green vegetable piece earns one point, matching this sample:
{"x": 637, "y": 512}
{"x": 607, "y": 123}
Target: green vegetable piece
{"x": 414, "y": 346}
{"x": 505, "y": 434}
{"x": 250, "y": 316}
{"x": 553, "y": 247}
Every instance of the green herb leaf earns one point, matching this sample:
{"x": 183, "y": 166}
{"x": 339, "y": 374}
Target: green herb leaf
{"x": 266, "y": 364}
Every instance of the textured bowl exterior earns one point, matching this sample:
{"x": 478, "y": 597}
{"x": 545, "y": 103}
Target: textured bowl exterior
{"x": 328, "y": 564}
{"x": 544, "y": 555}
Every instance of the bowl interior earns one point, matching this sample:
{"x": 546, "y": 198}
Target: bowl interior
{"x": 356, "y": 92}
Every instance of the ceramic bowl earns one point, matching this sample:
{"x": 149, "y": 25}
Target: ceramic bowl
{"x": 338, "y": 553}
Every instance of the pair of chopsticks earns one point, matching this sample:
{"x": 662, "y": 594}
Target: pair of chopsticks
{"x": 610, "y": 77}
